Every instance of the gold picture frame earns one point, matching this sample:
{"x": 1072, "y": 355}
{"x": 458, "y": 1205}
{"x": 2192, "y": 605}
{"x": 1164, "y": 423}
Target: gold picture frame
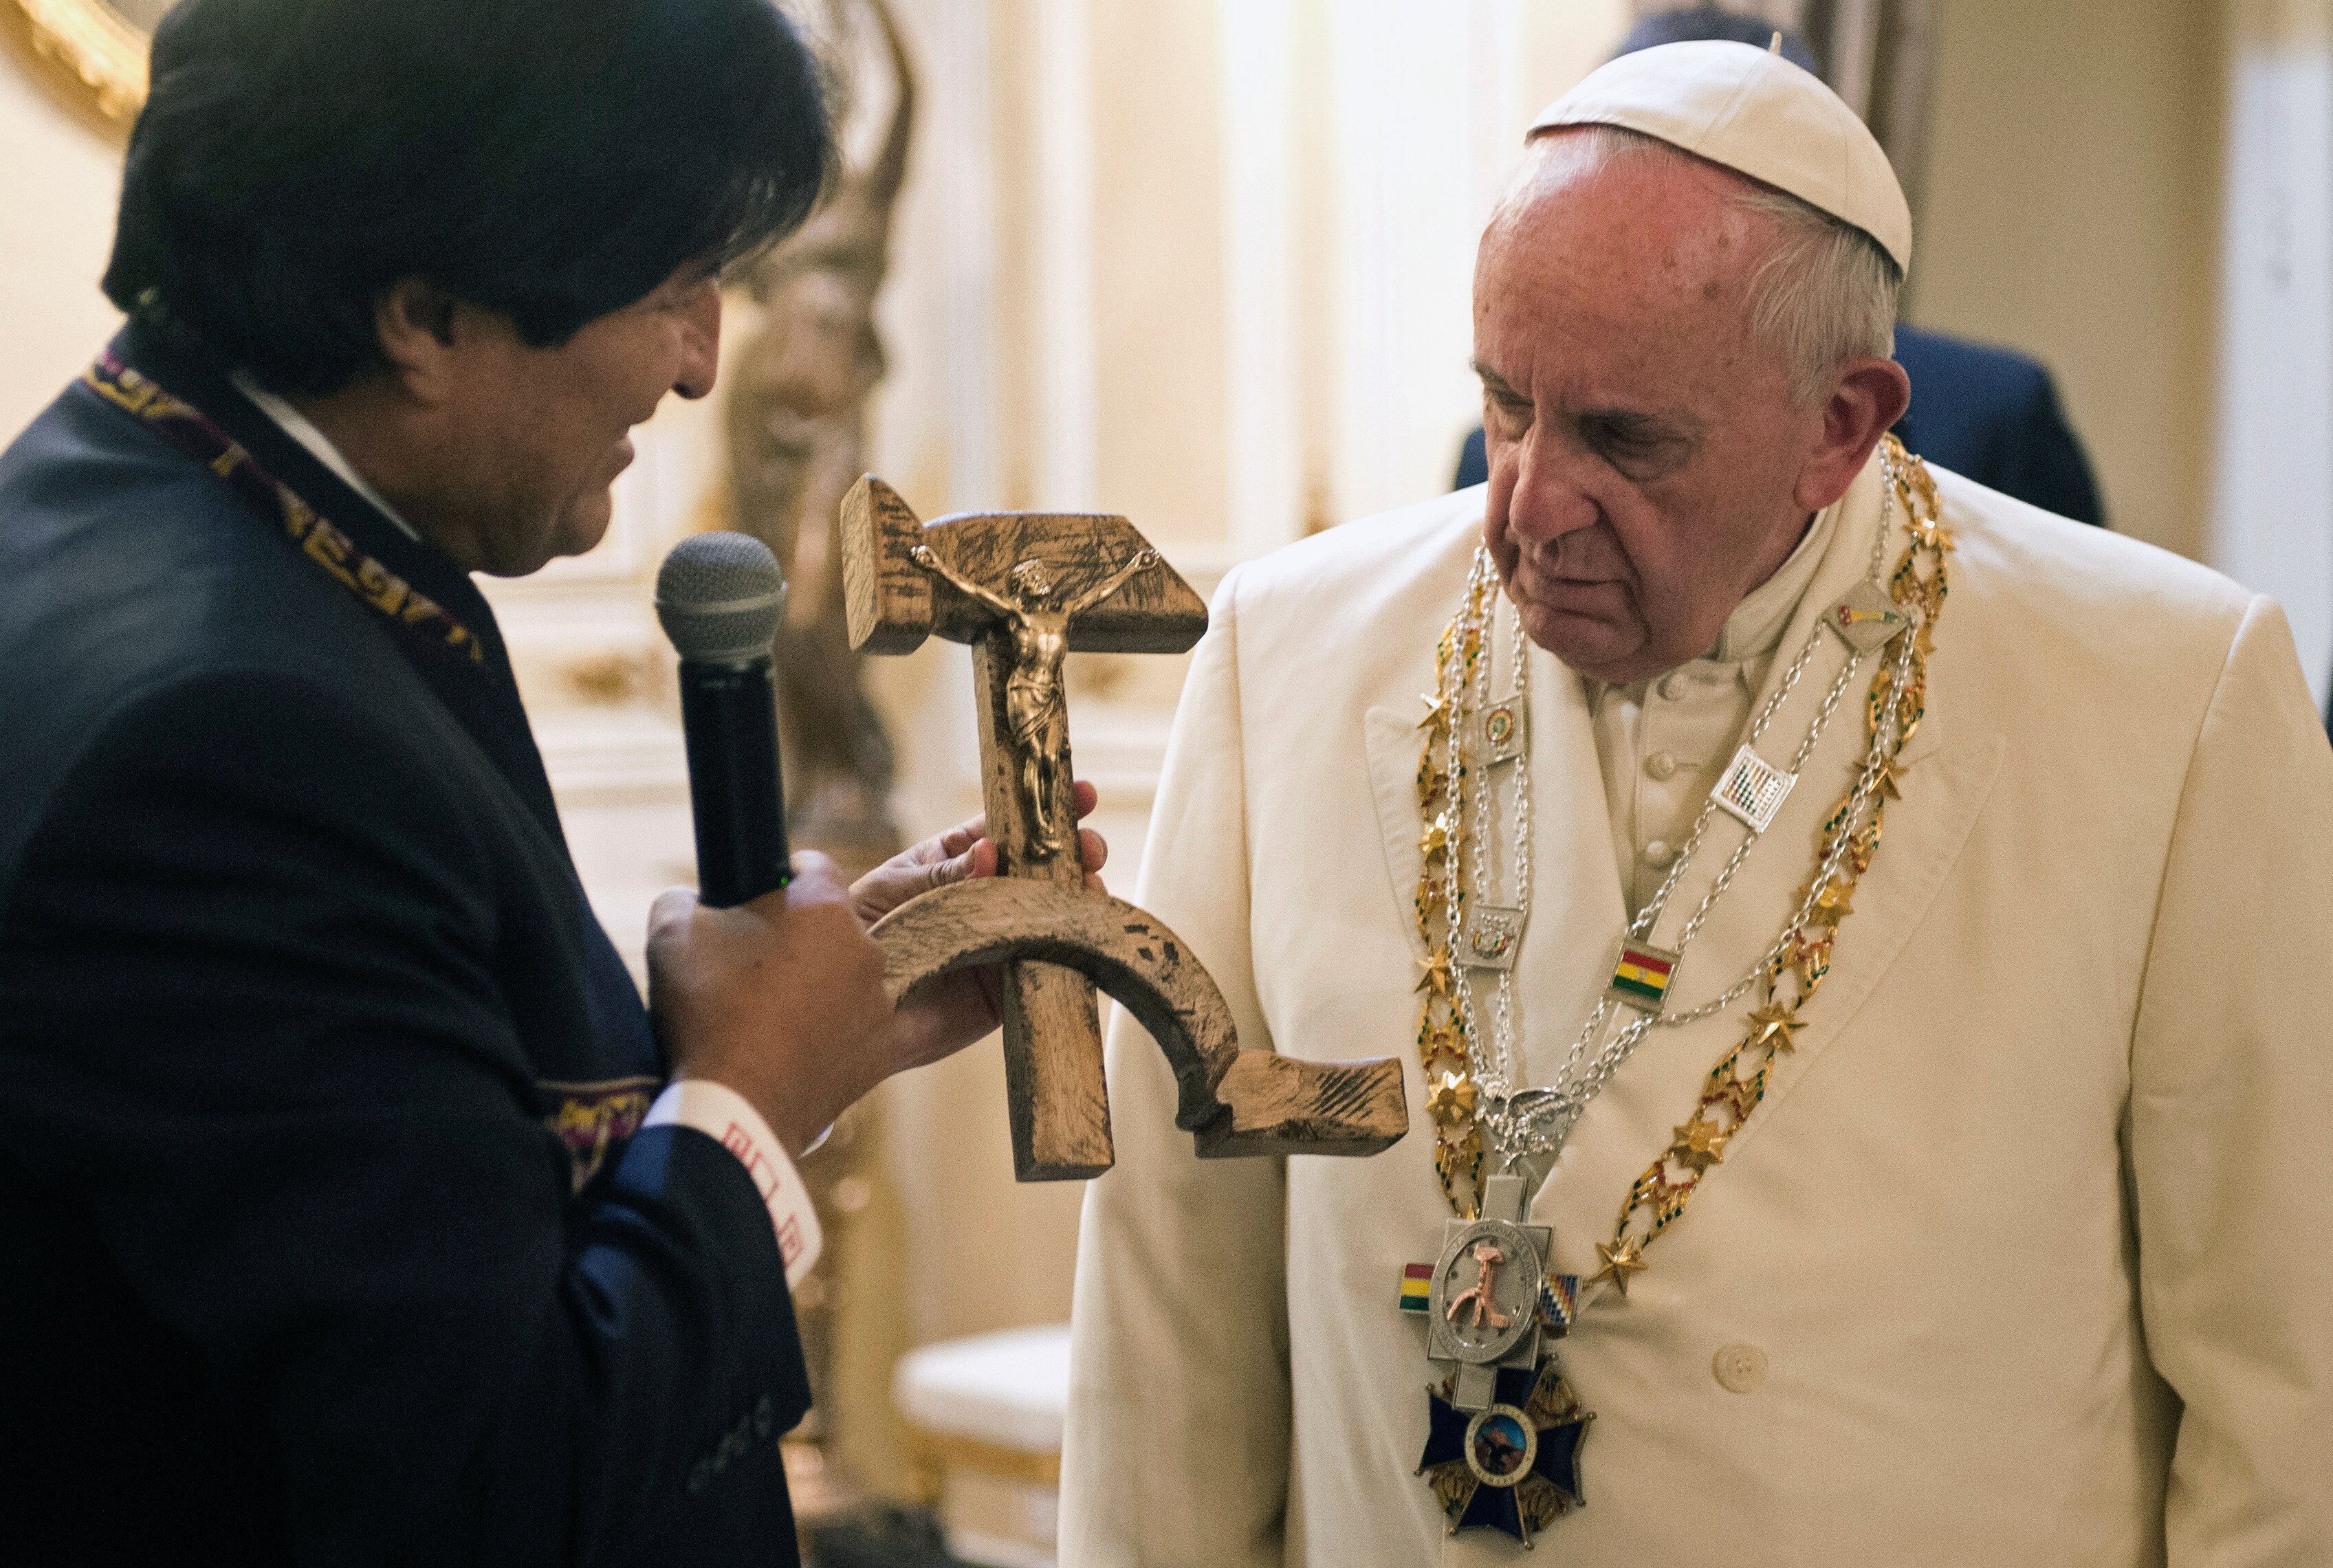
{"x": 88, "y": 50}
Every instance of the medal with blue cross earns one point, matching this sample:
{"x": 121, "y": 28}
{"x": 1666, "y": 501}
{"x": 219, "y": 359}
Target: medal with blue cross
{"x": 1504, "y": 1427}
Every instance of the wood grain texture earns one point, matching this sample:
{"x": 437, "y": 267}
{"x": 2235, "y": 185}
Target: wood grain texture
{"x": 886, "y": 601}
{"x": 1236, "y": 1102}
{"x": 1276, "y": 1105}
{"x": 1102, "y": 589}
{"x": 893, "y": 605}
{"x": 1056, "y": 1100}
{"x": 1053, "y": 1029}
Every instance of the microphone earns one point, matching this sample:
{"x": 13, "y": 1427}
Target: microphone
{"x": 720, "y": 596}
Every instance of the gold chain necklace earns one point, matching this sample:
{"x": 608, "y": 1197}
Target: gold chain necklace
{"x": 1848, "y": 839}
{"x": 1502, "y": 1450}
{"x": 1443, "y": 1026}
{"x": 1447, "y": 780}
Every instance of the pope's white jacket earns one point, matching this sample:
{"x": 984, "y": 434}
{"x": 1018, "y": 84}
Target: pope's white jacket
{"x": 2026, "y": 1259}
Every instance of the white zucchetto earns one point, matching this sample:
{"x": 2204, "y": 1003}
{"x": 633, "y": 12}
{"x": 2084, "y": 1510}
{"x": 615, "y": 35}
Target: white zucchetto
{"x": 1754, "y": 112}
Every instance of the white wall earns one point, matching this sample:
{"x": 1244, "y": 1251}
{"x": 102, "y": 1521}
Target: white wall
{"x": 58, "y": 187}
{"x": 2272, "y": 516}
{"x": 2071, "y": 190}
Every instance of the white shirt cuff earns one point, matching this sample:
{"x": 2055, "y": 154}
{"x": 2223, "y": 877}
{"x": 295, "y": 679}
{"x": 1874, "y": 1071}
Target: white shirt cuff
{"x": 723, "y": 1113}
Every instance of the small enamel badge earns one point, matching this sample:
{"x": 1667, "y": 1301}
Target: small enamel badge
{"x": 1752, "y": 789}
{"x": 1505, "y": 731}
{"x": 1641, "y": 978}
{"x": 1512, "y": 1465}
{"x": 1491, "y": 937}
{"x": 1866, "y": 619}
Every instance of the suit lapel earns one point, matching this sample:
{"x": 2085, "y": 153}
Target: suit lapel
{"x": 1744, "y": 922}
{"x": 1949, "y": 777}
{"x": 1395, "y": 742}
{"x": 1926, "y": 832}
{"x": 481, "y": 696}
{"x": 1577, "y": 912}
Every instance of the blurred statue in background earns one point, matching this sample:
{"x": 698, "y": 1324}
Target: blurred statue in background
{"x": 796, "y": 419}
{"x": 797, "y": 423}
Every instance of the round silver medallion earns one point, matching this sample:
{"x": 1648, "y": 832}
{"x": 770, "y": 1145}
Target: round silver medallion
{"x": 1485, "y": 1293}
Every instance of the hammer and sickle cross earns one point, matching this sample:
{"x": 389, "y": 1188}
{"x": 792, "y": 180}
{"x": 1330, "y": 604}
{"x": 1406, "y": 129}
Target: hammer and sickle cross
{"x": 1025, "y": 589}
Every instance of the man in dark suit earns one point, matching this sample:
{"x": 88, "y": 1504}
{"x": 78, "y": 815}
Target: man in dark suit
{"x": 1988, "y": 414}
{"x": 357, "y": 1211}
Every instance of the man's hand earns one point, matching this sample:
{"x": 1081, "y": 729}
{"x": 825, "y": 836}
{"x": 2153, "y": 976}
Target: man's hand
{"x": 780, "y": 999}
{"x": 963, "y": 852}
{"x": 940, "y": 1019}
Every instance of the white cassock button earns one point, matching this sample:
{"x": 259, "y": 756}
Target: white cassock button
{"x": 1672, "y": 686}
{"x": 1740, "y": 1368}
{"x": 1660, "y": 765}
{"x": 1658, "y": 853}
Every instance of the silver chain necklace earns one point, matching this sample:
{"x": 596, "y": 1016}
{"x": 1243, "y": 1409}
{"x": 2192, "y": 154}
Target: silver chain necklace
{"x": 1528, "y": 1127}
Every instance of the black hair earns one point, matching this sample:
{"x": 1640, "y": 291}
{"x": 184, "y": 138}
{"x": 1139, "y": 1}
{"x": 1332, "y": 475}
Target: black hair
{"x": 553, "y": 160}
{"x": 1710, "y": 22}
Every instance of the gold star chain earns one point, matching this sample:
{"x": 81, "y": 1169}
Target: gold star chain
{"x": 1737, "y": 1085}
{"x": 1443, "y": 778}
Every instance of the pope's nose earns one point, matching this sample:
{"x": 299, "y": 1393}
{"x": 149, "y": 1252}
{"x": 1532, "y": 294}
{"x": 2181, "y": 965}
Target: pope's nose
{"x": 1543, "y": 500}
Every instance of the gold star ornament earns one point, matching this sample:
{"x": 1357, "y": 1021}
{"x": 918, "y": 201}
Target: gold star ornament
{"x": 1450, "y": 1099}
{"x": 1699, "y": 1146}
{"x": 1437, "y": 977}
{"x": 1774, "y": 1024}
{"x": 1621, "y": 1261}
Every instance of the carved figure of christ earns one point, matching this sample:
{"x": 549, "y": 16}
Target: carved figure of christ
{"x": 1036, "y": 712}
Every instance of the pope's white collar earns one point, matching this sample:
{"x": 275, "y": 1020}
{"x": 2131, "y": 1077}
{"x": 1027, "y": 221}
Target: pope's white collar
{"x": 1757, "y": 623}
{"x": 1756, "y": 626}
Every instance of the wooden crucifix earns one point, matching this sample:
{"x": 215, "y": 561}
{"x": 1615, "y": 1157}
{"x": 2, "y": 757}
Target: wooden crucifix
{"x": 1025, "y": 589}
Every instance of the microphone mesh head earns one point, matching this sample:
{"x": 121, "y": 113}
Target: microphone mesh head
{"x": 720, "y": 596}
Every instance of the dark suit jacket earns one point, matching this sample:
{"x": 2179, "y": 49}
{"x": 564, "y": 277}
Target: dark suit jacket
{"x": 328, "y": 1238}
{"x": 1987, "y": 414}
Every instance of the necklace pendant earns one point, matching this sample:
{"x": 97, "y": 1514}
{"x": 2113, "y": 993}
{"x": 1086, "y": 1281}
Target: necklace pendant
{"x": 1504, "y": 1427}
{"x": 1483, "y": 1310}
{"x": 1641, "y": 978}
{"x": 1867, "y": 619}
{"x": 1506, "y": 731}
{"x": 1492, "y": 936}
{"x": 1512, "y": 1465}
{"x": 1752, "y": 789}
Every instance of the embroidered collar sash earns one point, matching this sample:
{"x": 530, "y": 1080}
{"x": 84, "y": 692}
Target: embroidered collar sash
{"x": 423, "y": 601}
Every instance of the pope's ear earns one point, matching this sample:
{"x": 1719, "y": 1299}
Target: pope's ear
{"x": 1869, "y": 396}
{"x": 415, "y": 324}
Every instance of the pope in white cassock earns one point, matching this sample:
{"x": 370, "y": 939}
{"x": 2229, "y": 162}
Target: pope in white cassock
{"x": 1862, "y": 942}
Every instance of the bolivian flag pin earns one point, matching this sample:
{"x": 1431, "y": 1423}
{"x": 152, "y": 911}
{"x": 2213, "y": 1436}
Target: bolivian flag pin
{"x": 1641, "y": 978}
